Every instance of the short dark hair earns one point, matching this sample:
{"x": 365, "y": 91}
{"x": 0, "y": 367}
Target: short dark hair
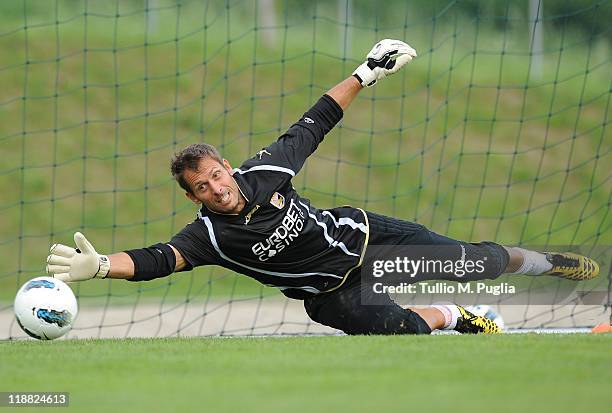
{"x": 189, "y": 158}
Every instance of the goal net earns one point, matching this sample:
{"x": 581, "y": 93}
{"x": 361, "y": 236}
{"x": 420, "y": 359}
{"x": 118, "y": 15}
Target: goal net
{"x": 497, "y": 131}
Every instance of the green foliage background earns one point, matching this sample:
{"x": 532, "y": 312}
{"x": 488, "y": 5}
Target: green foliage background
{"x": 96, "y": 96}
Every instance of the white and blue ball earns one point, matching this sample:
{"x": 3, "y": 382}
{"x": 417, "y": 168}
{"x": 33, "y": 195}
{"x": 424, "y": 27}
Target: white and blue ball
{"x": 45, "y": 308}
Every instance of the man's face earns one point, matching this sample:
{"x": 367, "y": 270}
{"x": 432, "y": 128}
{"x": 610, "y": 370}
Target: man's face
{"x": 213, "y": 185}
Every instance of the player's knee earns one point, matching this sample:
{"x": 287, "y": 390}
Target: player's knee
{"x": 494, "y": 256}
{"x": 417, "y": 325}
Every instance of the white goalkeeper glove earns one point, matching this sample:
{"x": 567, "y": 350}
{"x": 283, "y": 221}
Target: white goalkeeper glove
{"x": 68, "y": 264}
{"x": 386, "y": 57}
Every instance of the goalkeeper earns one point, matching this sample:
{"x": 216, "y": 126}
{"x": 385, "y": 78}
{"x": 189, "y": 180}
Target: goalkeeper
{"x": 252, "y": 221}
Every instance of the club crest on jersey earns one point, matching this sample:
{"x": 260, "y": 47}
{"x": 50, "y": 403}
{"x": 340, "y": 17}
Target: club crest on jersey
{"x": 278, "y": 200}
{"x": 248, "y": 216}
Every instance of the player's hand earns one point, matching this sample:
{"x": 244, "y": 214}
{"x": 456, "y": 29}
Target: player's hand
{"x": 68, "y": 264}
{"x": 386, "y": 57}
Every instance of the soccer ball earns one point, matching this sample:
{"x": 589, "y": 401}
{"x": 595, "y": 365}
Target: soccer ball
{"x": 45, "y": 308}
{"x": 488, "y": 312}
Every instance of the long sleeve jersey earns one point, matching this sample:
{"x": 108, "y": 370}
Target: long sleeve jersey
{"x": 279, "y": 238}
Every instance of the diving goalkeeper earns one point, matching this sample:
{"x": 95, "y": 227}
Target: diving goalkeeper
{"x": 251, "y": 220}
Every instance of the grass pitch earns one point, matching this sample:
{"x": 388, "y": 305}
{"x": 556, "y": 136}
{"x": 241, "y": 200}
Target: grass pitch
{"x": 401, "y": 373}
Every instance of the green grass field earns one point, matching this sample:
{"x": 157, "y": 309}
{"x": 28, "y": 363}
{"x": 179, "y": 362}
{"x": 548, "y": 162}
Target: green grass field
{"x": 508, "y": 373}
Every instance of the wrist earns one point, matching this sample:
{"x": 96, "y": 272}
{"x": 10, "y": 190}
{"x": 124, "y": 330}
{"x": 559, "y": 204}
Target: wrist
{"x": 104, "y": 267}
{"x": 359, "y": 80}
{"x": 365, "y": 75}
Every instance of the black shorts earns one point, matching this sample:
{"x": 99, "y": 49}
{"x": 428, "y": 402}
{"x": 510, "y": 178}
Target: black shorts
{"x": 354, "y": 307}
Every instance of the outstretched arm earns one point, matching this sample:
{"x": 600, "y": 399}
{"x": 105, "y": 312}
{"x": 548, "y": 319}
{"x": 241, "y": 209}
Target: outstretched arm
{"x": 344, "y": 92}
{"x": 84, "y": 263}
{"x": 122, "y": 265}
{"x": 386, "y": 57}
{"x": 300, "y": 141}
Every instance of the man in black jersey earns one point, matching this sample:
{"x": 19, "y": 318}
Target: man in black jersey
{"x": 251, "y": 220}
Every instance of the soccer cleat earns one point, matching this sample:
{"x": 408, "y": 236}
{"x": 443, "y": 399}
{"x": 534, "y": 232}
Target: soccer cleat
{"x": 571, "y": 266}
{"x": 470, "y": 323}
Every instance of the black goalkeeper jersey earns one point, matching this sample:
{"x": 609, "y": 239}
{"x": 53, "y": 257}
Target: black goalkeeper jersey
{"x": 279, "y": 238}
